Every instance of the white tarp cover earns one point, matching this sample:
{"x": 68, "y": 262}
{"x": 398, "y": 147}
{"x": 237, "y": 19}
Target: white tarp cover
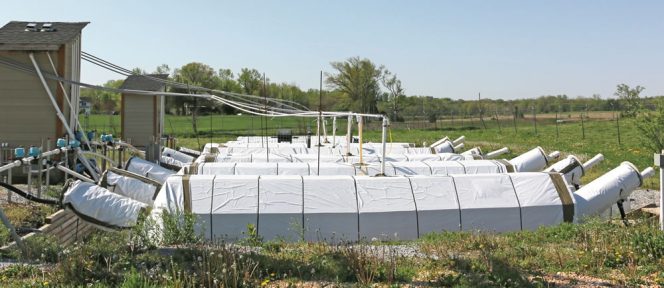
{"x": 131, "y": 187}
{"x": 437, "y": 204}
{"x": 386, "y": 207}
{"x": 148, "y": 169}
{"x": 171, "y": 161}
{"x": 280, "y": 207}
{"x": 422, "y": 157}
{"x": 599, "y": 195}
{"x": 539, "y": 199}
{"x": 330, "y": 209}
{"x": 454, "y": 157}
{"x": 446, "y": 167}
{"x": 532, "y": 161}
{"x": 254, "y": 169}
{"x": 483, "y": 167}
{"x": 216, "y": 168}
{"x": 105, "y": 207}
{"x": 372, "y": 169}
{"x": 323, "y": 207}
{"x": 301, "y": 169}
{"x": 446, "y": 147}
{"x": 332, "y": 169}
{"x": 313, "y": 158}
{"x": 177, "y": 155}
{"x": 423, "y": 150}
{"x": 234, "y": 206}
{"x": 571, "y": 167}
{"x": 488, "y": 203}
{"x": 274, "y": 158}
{"x": 201, "y": 188}
{"x": 409, "y": 168}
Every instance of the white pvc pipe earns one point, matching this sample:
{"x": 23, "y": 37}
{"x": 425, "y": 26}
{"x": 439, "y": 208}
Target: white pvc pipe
{"x": 494, "y": 154}
{"x": 606, "y": 190}
{"x": 553, "y": 155}
{"x": 458, "y": 148}
{"x": 440, "y": 141}
{"x": 593, "y": 161}
{"x": 75, "y": 174}
{"x": 459, "y": 140}
{"x": 647, "y": 172}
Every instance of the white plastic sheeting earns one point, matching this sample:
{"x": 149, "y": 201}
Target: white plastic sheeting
{"x": 148, "y": 169}
{"x": 280, "y": 207}
{"x": 330, "y": 209}
{"x": 102, "y": 207}
{"x": 298, "y": 168}
{"x": 599, "y": 195}
{"x": 131, "y": 187}
{"x": 533, "y": 160}
{"x": 437, "y": 204}
{"x": 177, "y": 155}
{"x": 386, "y": 208}
{"x": 488, "y": 203}
{"x": 234, "y": 206}
{"x": 326, "y": 207}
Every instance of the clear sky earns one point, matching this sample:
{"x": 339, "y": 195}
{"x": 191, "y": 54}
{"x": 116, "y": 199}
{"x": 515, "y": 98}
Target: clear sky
{"x": 503, "y": 49}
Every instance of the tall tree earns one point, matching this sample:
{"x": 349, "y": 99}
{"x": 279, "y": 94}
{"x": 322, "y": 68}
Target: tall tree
{"x": 393, "y": 86}
{"x": 250, "y": 80}
{"x": 196, "y": 74}
{"x": 359, "y": 79}
{"x": 630, "y": 98}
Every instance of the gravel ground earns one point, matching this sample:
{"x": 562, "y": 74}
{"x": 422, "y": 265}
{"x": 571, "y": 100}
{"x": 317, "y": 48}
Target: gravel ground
{"x": 642, "y": 198}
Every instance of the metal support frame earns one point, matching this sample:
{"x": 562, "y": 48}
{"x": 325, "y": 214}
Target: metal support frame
{"x": 659, "y": 162}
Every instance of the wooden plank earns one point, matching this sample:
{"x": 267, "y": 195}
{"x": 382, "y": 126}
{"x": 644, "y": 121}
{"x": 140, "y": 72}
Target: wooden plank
{"x": 56, "y": 215}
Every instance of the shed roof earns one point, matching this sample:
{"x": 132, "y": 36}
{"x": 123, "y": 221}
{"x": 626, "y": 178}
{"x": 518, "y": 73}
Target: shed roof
{"x": 141, "y": 82}
{"x": 15, "y": 36}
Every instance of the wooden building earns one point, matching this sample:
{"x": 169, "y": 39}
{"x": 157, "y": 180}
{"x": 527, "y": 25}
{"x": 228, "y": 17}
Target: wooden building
{"x": 142, "y": 116}
{"x": 27, "y": 115}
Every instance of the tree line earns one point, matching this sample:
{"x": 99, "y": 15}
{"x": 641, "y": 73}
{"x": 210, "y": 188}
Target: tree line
{"x": 358, "y": 84}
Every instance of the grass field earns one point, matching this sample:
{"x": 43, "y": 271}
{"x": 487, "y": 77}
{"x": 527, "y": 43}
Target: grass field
{"x": 597, "y": 133}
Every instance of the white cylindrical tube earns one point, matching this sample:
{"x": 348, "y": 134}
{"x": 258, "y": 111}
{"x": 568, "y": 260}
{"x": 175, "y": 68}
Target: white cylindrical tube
{"x": 458, "y": 148}
{"x": 494, "y": 154}
{"x": 553, "y": 155}
{"x": 459, "y": 140}
{"x": 440, "y": 141}
{"x": 472, "y": 151}
{"x": 532, "y": 161}
{"x": 593, "y": 161}
{"x": 606, "y": 190}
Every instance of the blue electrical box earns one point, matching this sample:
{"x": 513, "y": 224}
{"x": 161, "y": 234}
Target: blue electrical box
{"x": 19, "y": 152}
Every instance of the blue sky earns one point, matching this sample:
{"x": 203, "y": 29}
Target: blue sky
{"x": 503, "y": 49}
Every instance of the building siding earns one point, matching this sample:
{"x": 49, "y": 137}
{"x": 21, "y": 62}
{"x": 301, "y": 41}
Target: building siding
{"x": 27, "y": 115}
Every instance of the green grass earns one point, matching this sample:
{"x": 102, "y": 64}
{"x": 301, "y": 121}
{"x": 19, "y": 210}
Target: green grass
{"x": 626, "y": 256}
{"x": 601, "y": 134}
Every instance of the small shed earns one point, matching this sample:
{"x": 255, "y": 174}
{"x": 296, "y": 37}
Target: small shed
{"x": 28, "y": 116}
{"x": 142, "y": 116}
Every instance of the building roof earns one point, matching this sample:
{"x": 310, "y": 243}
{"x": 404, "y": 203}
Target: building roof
{"x": 140, "y": 82}
{"x": 15, "y": 35}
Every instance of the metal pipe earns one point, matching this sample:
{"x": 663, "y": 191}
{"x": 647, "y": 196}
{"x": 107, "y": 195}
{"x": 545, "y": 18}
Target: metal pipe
{"x": 349, "y": 135}
{"x": 12, "y": 232}
{"x": 334, "y": 132}
{"x": 360, "y": 127}
{"x": 60, "y": 115}
{"x": 74, "y": 173}
{"x": 386, "y": 123}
